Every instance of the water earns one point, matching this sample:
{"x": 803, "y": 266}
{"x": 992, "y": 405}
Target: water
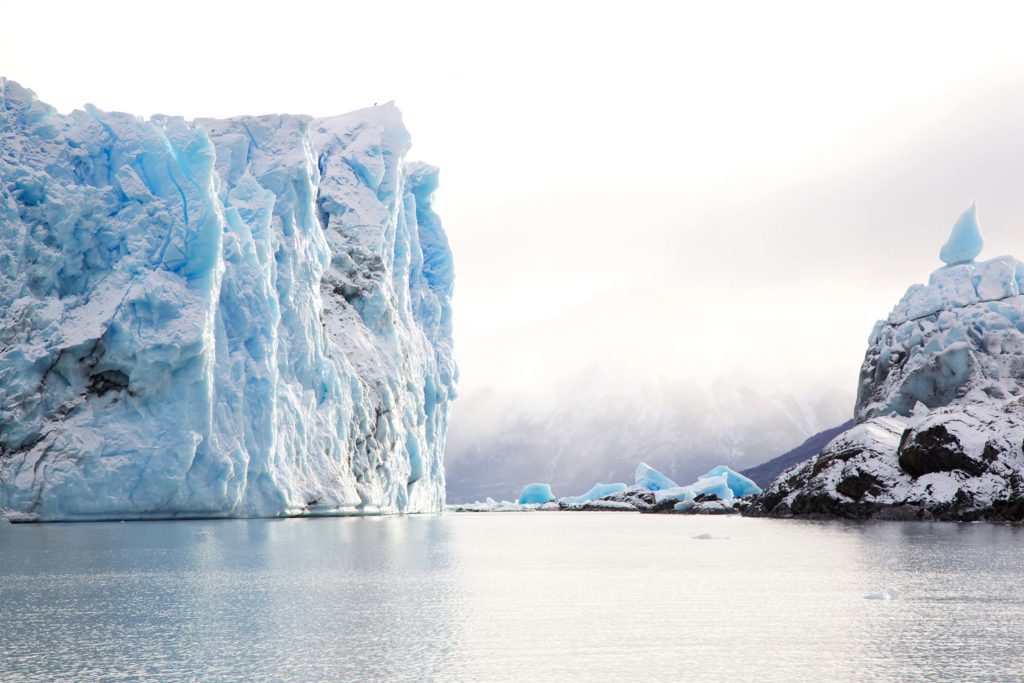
{"x": 509, "y": 596}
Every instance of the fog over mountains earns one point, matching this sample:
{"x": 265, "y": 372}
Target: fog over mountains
{"x": 597, "y": 430}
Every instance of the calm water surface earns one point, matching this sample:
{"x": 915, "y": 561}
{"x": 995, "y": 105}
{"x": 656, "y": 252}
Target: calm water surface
{"x": 482, "y": 597}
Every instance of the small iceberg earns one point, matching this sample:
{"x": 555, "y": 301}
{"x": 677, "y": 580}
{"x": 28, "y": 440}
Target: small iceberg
{"x": 651, "y": 479}
{"x": 737, "y": 483}
{"x": 597, "y": 491}
{"x": 704, "y": 537}
{"x": 536, "y": 494}
{"x": 884, "y": 594}
{"x": 685, "y": 503}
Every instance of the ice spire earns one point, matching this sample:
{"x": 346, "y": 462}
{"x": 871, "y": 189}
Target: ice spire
{"x": 965, "y": 242}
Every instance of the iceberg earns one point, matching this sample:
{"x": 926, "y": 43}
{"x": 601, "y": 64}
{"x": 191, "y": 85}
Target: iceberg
{"x": 707, "y": 486}
{"x": 965, "y": 242}
{"x": 683, "y": 506}
{"x": 651, "y": 479}
{"x": 884, "y": 594}
{"x": 737, "y": 483}
{"x": 536, "y": 493}
{"x": 597, "y": 491}
{"x": 241, "y": 317}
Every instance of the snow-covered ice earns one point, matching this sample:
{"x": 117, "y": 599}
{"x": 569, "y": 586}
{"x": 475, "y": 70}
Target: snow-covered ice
{"x": 247, "y": 317}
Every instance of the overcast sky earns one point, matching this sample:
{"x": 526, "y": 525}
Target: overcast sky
{"x": 694, "y": 190}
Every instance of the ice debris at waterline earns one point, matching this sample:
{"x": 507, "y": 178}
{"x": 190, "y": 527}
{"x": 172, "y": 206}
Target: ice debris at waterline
{"x": 596, "y": 491}
{"x": 241, "y": 317}
{"x": 720, "y": 491}
{"x": 884, "y": 594}
{"x": 939, "y": 418}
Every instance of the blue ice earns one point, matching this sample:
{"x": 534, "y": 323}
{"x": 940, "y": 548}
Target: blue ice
{"x": 536, "y": 493}
{"x": 738, "y": 484}
{"x": 651, "y": 479}
{"x": 965, "y": 242}
{"x": 597, "y": 491}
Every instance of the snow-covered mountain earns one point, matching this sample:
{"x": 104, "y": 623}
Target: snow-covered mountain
{"x": 245, "y": 317}
{"x": 597, "y": 427}
{"x": 940, "y": 407}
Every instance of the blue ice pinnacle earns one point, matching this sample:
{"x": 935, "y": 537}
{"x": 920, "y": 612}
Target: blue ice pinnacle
{"x": 965, "y": 242}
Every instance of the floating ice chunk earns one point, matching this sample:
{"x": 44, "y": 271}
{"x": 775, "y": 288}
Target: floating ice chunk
{"x": 597, "y": 491}
{"x": 884, "y": 594}
{"x": 717, "y": 485}
{"x": 651, "y": 479}
{"x": 675, "y": 493}
{"x": 704, "y": 537}
{"x": 713, "y": 486}
{"x": 740, "y": 485}
{"x": 536, "y": 493}
{"x": 684, "y": 505}
{"x": 965, "y": 242}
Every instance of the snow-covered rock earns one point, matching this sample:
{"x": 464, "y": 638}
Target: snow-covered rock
{"x": 248, "y": 317}
{"x": 940, "y": 408}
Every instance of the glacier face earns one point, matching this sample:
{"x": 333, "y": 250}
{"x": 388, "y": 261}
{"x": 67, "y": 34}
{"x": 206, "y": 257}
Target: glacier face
{"x": 242, "y": 317}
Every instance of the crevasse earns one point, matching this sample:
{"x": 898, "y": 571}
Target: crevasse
{"x": 243, "y": 317}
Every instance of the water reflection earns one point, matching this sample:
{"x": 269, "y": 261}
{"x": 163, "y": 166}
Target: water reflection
{"x": 504, "y": 597}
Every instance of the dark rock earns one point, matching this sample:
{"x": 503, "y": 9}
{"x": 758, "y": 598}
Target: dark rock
{"x": 936, "y": 450}
{"x": 856, "y": 485}
{"x": 108, "y": 380}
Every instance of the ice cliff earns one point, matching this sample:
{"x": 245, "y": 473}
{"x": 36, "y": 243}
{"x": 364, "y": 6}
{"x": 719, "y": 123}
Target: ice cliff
{"x": 242, "y": 317}
{"x": 939, "y": 419}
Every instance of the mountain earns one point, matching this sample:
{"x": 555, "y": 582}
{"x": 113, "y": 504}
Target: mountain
{"x": 247, "y": 317}
{"x": 765, "y": 473}
{"x": 597, "y": 427}
{"x": 940, "y": 406}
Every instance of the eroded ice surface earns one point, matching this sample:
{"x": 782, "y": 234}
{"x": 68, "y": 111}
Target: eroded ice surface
{"x": 244, "y": 317}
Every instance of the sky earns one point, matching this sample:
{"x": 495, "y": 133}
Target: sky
{"x": 646, "y": 190}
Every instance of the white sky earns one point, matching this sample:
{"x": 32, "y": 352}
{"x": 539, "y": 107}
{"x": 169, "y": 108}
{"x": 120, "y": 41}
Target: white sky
{"x": 687, "y": 189}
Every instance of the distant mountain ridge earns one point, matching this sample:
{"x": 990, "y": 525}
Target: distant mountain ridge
{"x": 767, "y": 472}
{"x": 596, "y": 430}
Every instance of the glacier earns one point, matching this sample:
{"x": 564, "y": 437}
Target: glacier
{"x": 939, "y": 417}
{"x": 208, "y": 318}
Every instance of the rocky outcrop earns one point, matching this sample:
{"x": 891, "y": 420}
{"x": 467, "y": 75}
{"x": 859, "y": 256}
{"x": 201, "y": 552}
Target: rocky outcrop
{"x": 940, "y": 408}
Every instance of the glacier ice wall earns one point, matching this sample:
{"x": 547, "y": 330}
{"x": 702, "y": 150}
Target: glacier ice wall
{"x": 243, "y": 317}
